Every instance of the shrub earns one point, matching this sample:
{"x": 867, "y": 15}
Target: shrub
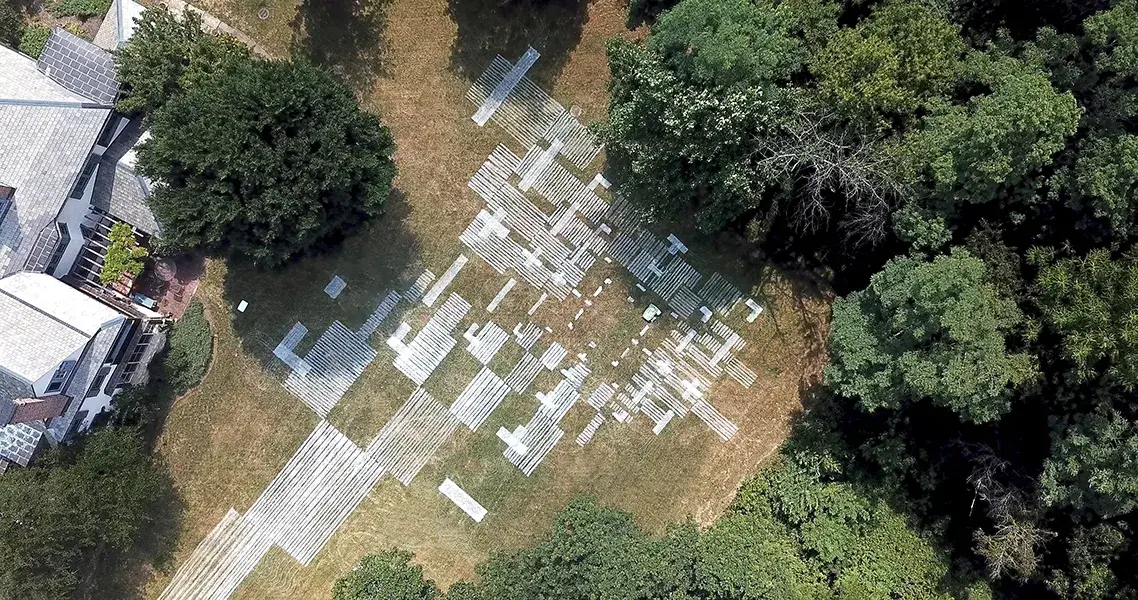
{"x": 123, "y": 255}
{"x": 11, "y": 24}
{"x": 34, "y": 39}
{"x": 189, "y": 351}
{"x": 78, "y": 8}
{"x": 385, "y": 576}
{"x": 75, "y": 29}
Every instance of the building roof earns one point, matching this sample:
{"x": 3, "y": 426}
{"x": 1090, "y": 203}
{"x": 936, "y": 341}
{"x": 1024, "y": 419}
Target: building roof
{"x": 11, "y": 388}
{"x": 119, "y": 24}
{"x": 82, "y": 379}
{"x": 18, "y": 443}
{"x": 48, "y": 133}
{"x": 20, "y": 79}
{"x": 43, "y": 321}
{"x": 119, "y": 190}
{"x": 80, "y": 66}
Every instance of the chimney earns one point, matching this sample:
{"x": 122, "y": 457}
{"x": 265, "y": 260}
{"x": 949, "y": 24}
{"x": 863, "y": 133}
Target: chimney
{"x": 38, "y": 409}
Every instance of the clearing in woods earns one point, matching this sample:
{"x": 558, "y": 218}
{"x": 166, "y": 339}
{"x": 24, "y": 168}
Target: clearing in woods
{"x": 413, "y": 62}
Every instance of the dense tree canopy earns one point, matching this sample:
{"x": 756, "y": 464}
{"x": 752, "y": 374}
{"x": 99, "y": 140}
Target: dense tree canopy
{"x": 1098, "y": 563}
{"x": 93, "y": 498}
{"x": 931, "y": 330}
{"x": 727, "y": 43}
{"x": 898, "y": 60}
{"x": 1092, "y": 302}
{"x": 789, "y": 535}
{"x": 166, "y": 54}
{"x": 1094, "y": 464}
{"x": 266, "y": 159}
{"x": 989, "y": 148}
{"x": 386, "y": 576}
{"x": 990, "y": 392}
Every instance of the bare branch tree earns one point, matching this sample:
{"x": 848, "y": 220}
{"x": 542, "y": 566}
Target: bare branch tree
{"x": 1011, "y": 549}
{"x": 828, "y": 163}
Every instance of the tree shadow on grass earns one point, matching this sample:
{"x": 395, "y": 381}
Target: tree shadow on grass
{"x": 378, "y": 257}
{"x": 490, "y": 27}
{"x": 346, "y": 36}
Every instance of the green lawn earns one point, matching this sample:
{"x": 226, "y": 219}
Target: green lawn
{"x": 227, "y": 439}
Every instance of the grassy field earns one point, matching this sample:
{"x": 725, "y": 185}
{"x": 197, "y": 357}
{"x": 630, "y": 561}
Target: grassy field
{"x": 411, "y": 61}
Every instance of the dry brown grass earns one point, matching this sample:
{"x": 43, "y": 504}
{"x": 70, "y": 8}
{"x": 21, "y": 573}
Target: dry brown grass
{"x": 226, "y": 440}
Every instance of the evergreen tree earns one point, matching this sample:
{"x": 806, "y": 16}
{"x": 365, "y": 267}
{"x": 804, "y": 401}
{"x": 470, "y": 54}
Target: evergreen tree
{"x": 266, "y": 159}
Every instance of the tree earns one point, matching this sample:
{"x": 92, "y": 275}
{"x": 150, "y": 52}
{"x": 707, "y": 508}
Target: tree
{"x": 266, "y": 159}
{"x": 166, "y": 54}
{"x": 753, "y": 556}
{"x": 1106, "y": 182}
{"x": 124, "y": 255}
{"x": 1112, "y": 37}
{"x": 788, "y": 536}
{"x": 1092, "y": 302}
{"x": 1094, "y": 464}
{"x": 188, "y": 352}
{"x": 385, "y": 576}
{"x": 990, "y": 148}
{"x": 859, "y": 546}
{"x": 1011, "y": 550}
{"x": 901, "y": 58}
{"x": 727, "y": 42}
{"x": 1092, "y": 556}
{"x": 675, "y": 145}
{"x": 592, "y": 552}
{"x": 933, "y": 330}
{"x": 11, "y": 23}
{"x": 95, "y": 498}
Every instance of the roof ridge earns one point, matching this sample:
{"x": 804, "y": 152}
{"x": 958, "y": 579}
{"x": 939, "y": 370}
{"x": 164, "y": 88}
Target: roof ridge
{"x": 54, "y": 103}
{"x": 48, "y": 315}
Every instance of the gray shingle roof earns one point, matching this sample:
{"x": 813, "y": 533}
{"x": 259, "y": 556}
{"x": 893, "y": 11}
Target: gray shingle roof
{"x": 120, "y": 191}
{"x": 80, "y": 66}
{"x": 42, "y": 151}
{"x": 11, "y": 388}
{"x": 43, "y": 321}
{"x": 21, "y": 80}
{"x": 18, "y": 443}
{"x": 84, "y": 376}
{"x": 32, "y": 344}
{"x": 119, "y": 24}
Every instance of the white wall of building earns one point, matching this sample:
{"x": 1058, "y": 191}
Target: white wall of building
{"x": 40, "y": 386}
{"x": 74, "y": 212}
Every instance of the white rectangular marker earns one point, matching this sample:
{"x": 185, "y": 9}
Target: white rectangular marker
{"x": 537, "y": 304}
{"x": 663, "y": 422}
{"x": 335, "y": 287}
{"x": 501, "y": 294}
{"x": 461, "y": 499}
{"x": 504, "y": 87}
{"x": 442, "y": 283}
